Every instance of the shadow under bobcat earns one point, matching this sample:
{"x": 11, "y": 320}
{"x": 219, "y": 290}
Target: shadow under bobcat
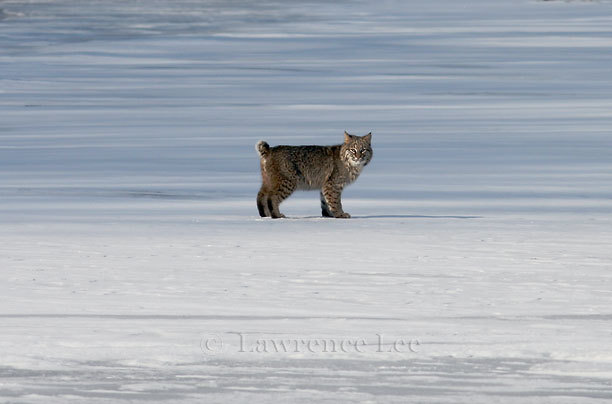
{"x": 329, "y": 169}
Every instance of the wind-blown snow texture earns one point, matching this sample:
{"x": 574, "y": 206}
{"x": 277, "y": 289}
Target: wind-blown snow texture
{"x": 134, "y": 265}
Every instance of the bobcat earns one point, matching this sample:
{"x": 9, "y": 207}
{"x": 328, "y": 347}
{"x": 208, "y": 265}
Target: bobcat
{"x": 328, "y": 168}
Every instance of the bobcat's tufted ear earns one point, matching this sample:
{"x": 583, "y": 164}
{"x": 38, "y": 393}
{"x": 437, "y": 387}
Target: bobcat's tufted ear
{"x": 347, "y": 137}
{"x": 368, "y": 137}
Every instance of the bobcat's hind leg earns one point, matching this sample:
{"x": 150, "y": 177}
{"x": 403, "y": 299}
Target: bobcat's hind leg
{"x": 332, "y": 195}
{"x": 262, "y": 203}
{"x": 283, "y": 190}
{"x": 324, "y": 207}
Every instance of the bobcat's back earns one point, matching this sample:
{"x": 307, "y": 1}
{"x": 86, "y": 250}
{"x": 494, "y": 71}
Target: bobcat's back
{"x": 307, "y": 166}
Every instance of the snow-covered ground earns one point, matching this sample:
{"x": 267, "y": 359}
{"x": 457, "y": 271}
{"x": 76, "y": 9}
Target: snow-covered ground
{"x": 477, "y": 266}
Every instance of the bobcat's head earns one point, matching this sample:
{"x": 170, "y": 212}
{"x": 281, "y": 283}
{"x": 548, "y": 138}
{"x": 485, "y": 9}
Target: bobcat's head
{"x": 357, "y": 150}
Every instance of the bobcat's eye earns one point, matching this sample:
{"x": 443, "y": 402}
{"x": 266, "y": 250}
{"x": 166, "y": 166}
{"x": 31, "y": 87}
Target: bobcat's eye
{"x": 354, "y": 151}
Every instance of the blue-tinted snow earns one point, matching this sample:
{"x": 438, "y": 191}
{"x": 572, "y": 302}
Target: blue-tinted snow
{"x": 129, "y": 235}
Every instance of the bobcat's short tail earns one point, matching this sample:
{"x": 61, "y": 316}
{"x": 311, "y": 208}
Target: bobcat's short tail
{"x": 262, "y": 148}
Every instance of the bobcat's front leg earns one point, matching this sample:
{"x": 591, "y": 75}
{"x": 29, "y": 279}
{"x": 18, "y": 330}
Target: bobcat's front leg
{"x": 332, "y": 197}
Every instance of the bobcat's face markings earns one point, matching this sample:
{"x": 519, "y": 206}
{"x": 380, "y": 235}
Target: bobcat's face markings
{"x": 354, "y": 158}
{"x": 358, "y": 150}
{"x": 357, "y": 156}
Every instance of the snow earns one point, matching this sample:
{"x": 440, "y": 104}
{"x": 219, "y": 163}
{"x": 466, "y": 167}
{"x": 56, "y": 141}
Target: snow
{"x": 476, "y": 267}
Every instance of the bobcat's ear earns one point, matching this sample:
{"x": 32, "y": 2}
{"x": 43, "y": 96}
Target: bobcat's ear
{"x": 368, "y": 137}
{"x": 347, "y": 137}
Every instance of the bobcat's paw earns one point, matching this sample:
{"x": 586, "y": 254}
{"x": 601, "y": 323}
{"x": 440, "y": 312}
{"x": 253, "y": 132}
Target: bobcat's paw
{"x": 281, "y": 216}
{"x": 343, "y": 215}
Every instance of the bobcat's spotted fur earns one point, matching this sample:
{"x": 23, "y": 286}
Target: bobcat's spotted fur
{"x": 285, "y": 169}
